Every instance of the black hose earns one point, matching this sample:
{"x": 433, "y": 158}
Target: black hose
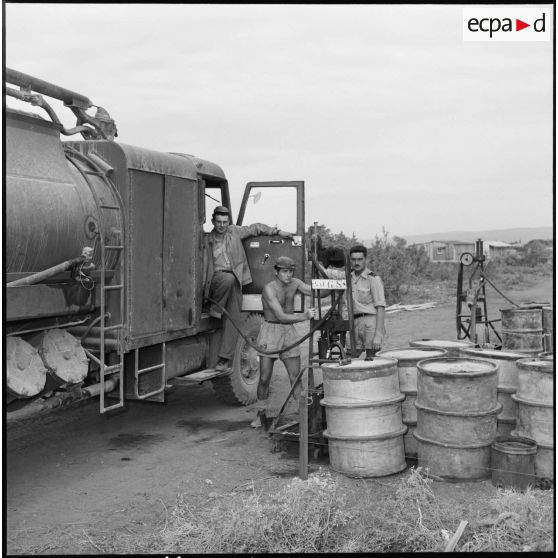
{"x": 498, "y": 291}
{"x": 284, "y": 349}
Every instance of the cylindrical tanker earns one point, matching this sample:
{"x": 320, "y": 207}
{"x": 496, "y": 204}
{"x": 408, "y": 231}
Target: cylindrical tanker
{"x": 52, "y": 208}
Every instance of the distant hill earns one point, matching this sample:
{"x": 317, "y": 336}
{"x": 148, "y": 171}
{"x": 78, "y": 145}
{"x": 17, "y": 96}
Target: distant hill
{"x": 522, "y": 235}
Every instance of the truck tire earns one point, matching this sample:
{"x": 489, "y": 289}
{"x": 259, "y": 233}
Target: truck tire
{"x": 240, "y": 387}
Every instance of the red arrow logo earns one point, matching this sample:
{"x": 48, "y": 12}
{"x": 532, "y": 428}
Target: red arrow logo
{"x": 519, "y": 25}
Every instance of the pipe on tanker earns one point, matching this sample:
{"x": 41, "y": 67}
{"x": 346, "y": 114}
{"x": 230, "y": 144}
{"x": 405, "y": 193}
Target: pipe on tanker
{"x": 80, "y": 394}
{"x": 86, "y": 255}
{"x": 70, "y": 98}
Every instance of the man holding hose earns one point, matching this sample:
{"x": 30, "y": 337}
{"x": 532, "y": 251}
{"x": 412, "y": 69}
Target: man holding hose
{"x": 278, "y": 331}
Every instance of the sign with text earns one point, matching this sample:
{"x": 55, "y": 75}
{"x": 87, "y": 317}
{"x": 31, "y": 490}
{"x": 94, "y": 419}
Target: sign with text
{"x": 330, "y": 284}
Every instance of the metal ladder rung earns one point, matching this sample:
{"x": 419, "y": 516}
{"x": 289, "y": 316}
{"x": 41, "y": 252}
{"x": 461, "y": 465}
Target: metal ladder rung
{"x": 113, "y": 287}
{"x": 114, "y": 247}
{"x": 150, "y": 369}
{"x": 117, "y": 405}
{"x": 112, "y": 367}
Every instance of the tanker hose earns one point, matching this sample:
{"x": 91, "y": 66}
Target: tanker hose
{"x": 314, "y": 328}
{"x": 86, "y": 256}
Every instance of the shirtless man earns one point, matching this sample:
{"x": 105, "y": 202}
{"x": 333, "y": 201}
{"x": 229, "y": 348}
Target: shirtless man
{"x": 278, "y": 330}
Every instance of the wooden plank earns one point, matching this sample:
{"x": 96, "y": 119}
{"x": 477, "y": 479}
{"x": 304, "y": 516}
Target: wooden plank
{"x": 456, "y": 536}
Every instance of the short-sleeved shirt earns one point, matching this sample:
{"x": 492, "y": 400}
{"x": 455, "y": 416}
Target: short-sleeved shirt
{"x": 368, "y": 292}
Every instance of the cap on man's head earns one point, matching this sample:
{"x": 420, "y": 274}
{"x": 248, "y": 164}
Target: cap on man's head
{"x": 221, "y": 210}
{"x": 284, "y": 262}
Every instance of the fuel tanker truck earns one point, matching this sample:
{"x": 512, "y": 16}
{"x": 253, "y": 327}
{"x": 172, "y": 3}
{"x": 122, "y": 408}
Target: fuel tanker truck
{"x": 103, "y": 259}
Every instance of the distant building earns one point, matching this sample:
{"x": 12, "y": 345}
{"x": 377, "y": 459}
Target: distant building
{"x": 444, "y": 251}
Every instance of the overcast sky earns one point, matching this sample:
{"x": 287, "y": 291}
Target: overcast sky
{"x": 389, "y": 117}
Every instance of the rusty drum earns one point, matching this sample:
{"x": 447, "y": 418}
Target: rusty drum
{"x": 548, "y": 328}
{"x": 363, "y": 413}
{"x": 457, "y": 408}
{"x": 522, "y": 330}
{"x": 535, "y": 410}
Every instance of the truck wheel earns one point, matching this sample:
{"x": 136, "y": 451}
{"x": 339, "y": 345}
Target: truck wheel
{"x": 240, "y": 387}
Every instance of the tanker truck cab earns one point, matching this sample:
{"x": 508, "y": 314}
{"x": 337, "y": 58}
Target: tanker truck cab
{"x": 104, "y": 276}
{"x": 277, "y": 204}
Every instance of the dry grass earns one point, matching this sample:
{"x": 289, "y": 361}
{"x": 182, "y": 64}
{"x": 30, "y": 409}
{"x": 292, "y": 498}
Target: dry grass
{"x": 516, "y": 522}
{"x": 303, "y": 516}
{"x": 333, "y": 514}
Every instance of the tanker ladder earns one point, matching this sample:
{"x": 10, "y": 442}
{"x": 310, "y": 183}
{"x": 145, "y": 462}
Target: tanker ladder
{"x": 116, "y": 367}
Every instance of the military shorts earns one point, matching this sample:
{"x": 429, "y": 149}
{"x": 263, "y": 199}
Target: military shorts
{"x": 274, "y": 337}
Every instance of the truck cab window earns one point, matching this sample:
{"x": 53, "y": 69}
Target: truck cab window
{"x": 273, "y": 206}
{"x": 213, "y": 198}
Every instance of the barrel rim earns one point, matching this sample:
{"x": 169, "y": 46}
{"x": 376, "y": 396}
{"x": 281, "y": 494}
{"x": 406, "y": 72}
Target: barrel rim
{"x": 448, "y": 445}
{"x": 505, "y": 355}
{"x": 361, "y": 404}
{"x": 531, "y": 402}
{"x": 457, "y": 343}
{"x": 470, "y": 414}
{"x": 461, "y": 374}
{"x": 499, "y": 444}
{"x": 410, "y": 360}
{"x": 376, "y": 437}
{"x": 530, "y": 363}
{"x": 336, "y": 367}
{"x": 522, "y": 309}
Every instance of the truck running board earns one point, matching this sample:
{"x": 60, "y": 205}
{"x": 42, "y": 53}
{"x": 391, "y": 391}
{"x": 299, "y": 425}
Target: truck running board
{"x": 199, "y": 377}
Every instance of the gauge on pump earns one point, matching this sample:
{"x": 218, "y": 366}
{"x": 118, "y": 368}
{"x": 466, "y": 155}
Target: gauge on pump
{"x": 466, "y": 258}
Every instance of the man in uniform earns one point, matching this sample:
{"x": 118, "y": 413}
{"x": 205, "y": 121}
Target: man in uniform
{"x": 278, "y": 330}
{"x": 369, "y": 304}
{"x": 226, "y": 271}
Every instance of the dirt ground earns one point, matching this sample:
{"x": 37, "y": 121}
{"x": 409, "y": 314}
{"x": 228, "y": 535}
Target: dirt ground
{"x": 77, "y": 479}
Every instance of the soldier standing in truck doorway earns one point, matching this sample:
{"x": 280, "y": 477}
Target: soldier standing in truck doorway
{"x": 278, "y": 331}
{"x": 226, "y": 271}
{"x": 369, "y": 304}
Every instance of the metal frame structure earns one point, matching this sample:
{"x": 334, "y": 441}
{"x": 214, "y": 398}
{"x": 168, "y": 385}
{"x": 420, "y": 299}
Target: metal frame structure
{"x": 475, "y": 298}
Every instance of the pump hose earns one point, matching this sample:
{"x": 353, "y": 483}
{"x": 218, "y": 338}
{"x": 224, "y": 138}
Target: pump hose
{"x": 317, "y": 326}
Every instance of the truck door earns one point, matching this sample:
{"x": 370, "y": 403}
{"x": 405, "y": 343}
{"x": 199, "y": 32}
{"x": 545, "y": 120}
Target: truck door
{"x": 277, "y": 204}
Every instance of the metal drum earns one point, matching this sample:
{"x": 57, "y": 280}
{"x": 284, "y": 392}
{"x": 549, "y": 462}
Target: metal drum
{"x": 453, "y": 348}
{"x": 535, "y": 410}
{"x": 548, "y": 328}
{"x": 363, "y": 413}
{"x": 456, "y": 417}
{"x": 407, "y": 358}
{"x": 507, "y": 383}
{"x": 522, "y": 330}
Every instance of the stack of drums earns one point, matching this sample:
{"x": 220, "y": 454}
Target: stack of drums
{"x": 507, "y": 383}
{"x": 453, "y": 348}
{"x": 407, "y": 358}
{"x": 456, "y": 417}
{"x": 548, "y": 328}
{"x": 535, "y": 410}
{"x": 522, "y": 330}
{"x": 363, "y": 413}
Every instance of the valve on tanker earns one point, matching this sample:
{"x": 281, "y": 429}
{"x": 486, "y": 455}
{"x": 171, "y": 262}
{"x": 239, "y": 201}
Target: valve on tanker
{"x": 80, "y": 271}
{"x": 106, "y": 123}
